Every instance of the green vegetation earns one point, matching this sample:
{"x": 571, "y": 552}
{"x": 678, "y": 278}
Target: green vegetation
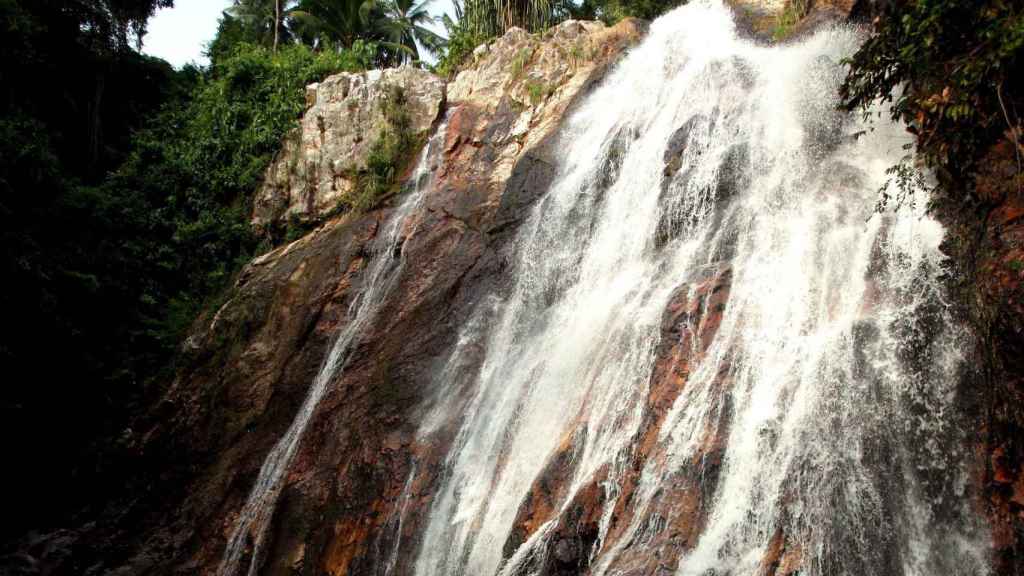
{"x": 538, "y": 91}
{"x": 479, "y": 21}
{"x": 578, "y": 54}
{"x": 520, "y": 60}
{"x": 126, "y": 186}
{"x": 395, "y": 28}
{"x": 491, "y": 18}
{"x": 391, "y": 152}
{"x": 72, "y": 92}
{"x": 125, "y": 190}
{"x": 905, "y": 181}
{"x": 197, "y": 165}
{"x": 462, "y": 40}
{"x": 611, "y": 11}
{"x": 951, "y": 70}
{"x": 125, "y": 193}
{"x": 792, "y": 13}
{"x": 404, "y": 25}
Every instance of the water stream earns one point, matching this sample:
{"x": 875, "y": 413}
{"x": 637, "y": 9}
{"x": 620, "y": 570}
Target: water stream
{"x": 841, "y": 357}
{"x": 832, "y": 379}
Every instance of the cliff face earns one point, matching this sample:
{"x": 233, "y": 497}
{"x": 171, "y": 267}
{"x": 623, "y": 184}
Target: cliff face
{"x": 314, "y": 170}
{"x": 247, "y": 367}
{"x": 363, "y": 479}
{"x": 985, "y": 242}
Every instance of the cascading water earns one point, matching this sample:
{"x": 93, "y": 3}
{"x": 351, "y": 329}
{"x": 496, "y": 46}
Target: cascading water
{"x": 385, "y": 266}
{"x": 833, "y": 373}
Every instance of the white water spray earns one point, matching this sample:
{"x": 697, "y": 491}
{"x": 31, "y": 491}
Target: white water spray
{"x": 842, "y": 431}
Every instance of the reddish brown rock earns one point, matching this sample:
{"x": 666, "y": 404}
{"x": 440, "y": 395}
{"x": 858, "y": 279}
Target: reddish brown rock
{"x": 985, "y": 242}
{"x": 360, "y": 484}
{"x": 674, "y": 519}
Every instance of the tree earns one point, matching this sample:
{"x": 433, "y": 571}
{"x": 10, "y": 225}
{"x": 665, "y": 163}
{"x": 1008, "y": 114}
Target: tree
{"x": 340, "y": 22}
{"x": 952, "y": 70}
{"x": 494, "y": 17}
{"x": 403, "y": 26}
{"x": 277, "y": 23}
{"x": 73, "y": 90}
{"x": 111, "y": 24}
{"x": 261, "y": 20}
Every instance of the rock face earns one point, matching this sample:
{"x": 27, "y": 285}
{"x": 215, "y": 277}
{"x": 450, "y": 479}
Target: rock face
{"x": 985, "y": 242}
{"x": 783, "y": 20}
{"x": 246, "y": 368}
{"x": 362, "y": 481}
{"x": 312, "y": 173}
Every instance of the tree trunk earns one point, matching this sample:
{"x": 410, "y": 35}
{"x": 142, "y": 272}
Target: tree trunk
{"x": 277, "y": 22}
{"x": 95, "y": 122}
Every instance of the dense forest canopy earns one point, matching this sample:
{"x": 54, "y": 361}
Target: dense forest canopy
{"x": 125, "y": 185}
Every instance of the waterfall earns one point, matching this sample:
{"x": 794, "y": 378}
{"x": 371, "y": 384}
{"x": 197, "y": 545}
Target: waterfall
{"x": 833, "y": 374}
{"x": 384, "y": 267}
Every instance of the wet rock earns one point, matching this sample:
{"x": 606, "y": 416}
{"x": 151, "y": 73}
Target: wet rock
{"x": 985, "y": 243}
{"x": 734, "y": 175}
{"x": 531, "y": 177}
{"x": 678, "y": 142}
{"x": 822, "y": 120}
{"x": 20, "y": 564}
{"x": 248, "y": 364}
{"x": 567, "y": 552}
{"x": 674, "y": 518}
{"x": 758, "y": 19}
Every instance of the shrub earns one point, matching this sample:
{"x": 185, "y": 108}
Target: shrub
{"x": 462, "y": 41}
{"x": 389, "y": 156}
{"x": 951, "y": 70}
{"x": 611, "y": 11}
{"x": 792, "y": 12}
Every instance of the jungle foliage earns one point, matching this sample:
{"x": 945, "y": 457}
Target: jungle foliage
{"x": 125, "y": 185}
{"x": 952, "y": 70}
{"x": 396, "y": 29}
{"x": 479, "y": 21}
{"x": 125, "y": 189}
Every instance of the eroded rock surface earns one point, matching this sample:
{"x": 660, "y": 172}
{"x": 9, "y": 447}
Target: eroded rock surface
{"x": 346, "y": 114}
{"x": 985, "y": 240}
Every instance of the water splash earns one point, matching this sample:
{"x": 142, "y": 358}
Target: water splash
{"x": 385, "y": 266}
{"x": 842, "y": 428}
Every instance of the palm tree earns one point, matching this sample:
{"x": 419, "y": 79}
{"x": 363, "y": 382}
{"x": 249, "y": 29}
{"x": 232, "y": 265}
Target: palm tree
{"x": 339, "y": 21}
{"x": 495, "y": 17}
{"x": 403, "y": 27}
{"x": 262, "y": 18}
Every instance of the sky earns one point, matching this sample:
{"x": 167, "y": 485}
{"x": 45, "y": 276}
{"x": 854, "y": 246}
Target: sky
{"x": 180, "y": 34}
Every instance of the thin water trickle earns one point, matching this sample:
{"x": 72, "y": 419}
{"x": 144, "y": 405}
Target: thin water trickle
{"x": 385, "y": 265}
{"x": 842, "y": 429}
